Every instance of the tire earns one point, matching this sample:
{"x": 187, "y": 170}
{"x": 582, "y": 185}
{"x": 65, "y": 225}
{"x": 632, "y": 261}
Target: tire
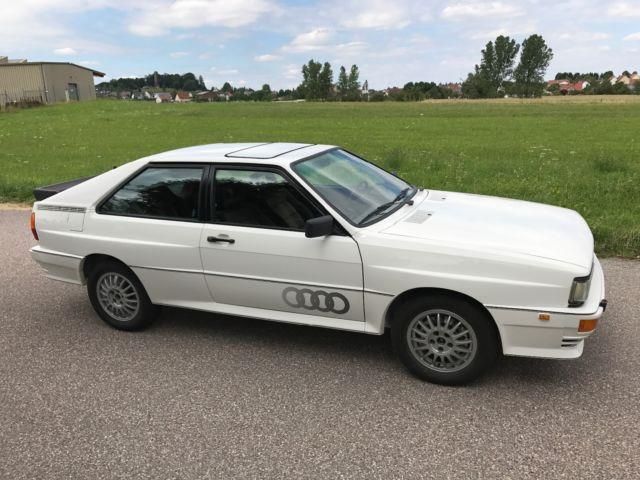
{"x": 119, "y": 298}
{"x": 443, "y": 339}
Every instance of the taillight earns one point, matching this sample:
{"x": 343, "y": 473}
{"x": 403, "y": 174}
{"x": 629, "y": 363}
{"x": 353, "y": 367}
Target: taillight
{"x": 32, "y": 224}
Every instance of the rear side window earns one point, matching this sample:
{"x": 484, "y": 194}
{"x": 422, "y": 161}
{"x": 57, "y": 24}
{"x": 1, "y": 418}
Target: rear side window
{"x": 259, "y": 198}
{"x": 159, "y": 192}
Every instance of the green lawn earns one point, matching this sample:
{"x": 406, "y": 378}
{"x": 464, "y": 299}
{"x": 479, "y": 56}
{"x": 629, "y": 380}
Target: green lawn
{"x": 577, "y": 154}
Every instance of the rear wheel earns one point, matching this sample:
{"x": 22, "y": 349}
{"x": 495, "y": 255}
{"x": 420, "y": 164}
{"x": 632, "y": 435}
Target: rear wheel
{"x": 444, "y": 339}
{"x": 119, "y": 298}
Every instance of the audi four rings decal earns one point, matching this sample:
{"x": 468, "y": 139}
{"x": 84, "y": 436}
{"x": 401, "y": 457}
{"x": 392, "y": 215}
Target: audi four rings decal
{"x": 326, "y": 302}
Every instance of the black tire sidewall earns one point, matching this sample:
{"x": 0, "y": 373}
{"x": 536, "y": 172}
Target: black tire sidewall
{"x": 480, "y": 322}
{"x": 146, "y": 312}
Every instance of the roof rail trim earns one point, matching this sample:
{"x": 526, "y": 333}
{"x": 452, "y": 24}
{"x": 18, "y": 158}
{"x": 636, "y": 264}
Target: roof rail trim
{"x": 232, "y": 154}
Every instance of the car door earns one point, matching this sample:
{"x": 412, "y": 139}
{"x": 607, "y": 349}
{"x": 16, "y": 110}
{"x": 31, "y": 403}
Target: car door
{"x": 153, "y": 223}
{"x": 256, "y": 256}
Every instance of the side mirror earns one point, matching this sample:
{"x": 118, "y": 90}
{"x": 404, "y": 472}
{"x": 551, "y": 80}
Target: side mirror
{"x": 318, "y": 227}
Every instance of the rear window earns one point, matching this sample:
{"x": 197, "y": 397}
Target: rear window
{"x": 158, "y": 192}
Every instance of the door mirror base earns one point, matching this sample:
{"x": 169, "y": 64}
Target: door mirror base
{"x": 318, "y": 227}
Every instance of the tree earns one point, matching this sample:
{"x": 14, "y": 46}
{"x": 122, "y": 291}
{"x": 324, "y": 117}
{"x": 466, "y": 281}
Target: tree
{"x": 325, "y": 81}
{"x": 353, "y": 83}
{"x": 506, "y": 50}
{"x": 487, "y": 70}
{"x": 534, "y": 61}
{"x": 190, "y": 85}
{"x": 496, "y": 65}
{"x": 264, "y": 94}
{"x": 343, "y": 83}
{"x": 310, "y": 86}
{"x": 227, "y": 88}
{"x": 478, "y": 85}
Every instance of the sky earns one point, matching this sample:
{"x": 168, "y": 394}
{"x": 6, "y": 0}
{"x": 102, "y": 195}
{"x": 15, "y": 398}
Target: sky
{"x": 252, "y": 42}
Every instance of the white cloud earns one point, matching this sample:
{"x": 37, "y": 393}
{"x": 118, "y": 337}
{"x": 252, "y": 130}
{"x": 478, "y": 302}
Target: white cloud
{"x": 624, "y": 9}
{"x": 378, "y": 14}
{"x": 512, "y": 31}
{"x": 317, "y": 39}
{"x": 229, "y": 71}
{"x": 632, "y": 37}
{"x": 350, "y": 48}
{"x": 267, "y": 57}
{"x": 475, "y": 10}
{"x": 292, "y": 72}
{"x": 584, "y": 36}
{"x": 65, "y": 52}
{"x": 199, "y": 13}
{"x": 179, "y": 54}
{"x": 90, "y": 63}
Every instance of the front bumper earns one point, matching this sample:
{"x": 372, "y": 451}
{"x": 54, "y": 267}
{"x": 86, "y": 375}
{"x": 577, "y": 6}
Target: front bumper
{"x": 523, "y": 333}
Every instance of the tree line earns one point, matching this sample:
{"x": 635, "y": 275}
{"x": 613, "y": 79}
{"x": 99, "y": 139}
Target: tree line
{"x": 166, "y": 81}
{"x": 506, "y": 68}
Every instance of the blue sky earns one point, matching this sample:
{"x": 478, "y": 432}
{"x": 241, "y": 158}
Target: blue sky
{"x": 250, "y": 42}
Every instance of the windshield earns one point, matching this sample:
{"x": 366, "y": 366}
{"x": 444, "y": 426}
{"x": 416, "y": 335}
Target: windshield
{"x": 360, "y": 191}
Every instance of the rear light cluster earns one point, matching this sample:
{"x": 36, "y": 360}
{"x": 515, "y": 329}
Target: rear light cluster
{"x": 32, "y": 224}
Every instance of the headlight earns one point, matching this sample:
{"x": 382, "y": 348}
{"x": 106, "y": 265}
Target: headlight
{"x": 579, "y": 291}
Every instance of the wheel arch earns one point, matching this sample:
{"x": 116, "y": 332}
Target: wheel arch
{"x": 425, "y": 292}
{"x": 88, "y": 263}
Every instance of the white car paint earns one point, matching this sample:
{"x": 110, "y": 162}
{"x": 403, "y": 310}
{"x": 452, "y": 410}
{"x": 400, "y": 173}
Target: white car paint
{"x": 516, "y": 258}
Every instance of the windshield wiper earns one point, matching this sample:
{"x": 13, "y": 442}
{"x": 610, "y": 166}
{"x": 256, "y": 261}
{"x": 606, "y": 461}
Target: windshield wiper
{"x": 385, "y": 206}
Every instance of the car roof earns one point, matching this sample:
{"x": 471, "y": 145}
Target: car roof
{"x": 272, "y": 153}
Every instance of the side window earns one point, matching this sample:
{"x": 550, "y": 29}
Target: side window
{"x": 261, "y": 199}
{"x": 161, "y": 192}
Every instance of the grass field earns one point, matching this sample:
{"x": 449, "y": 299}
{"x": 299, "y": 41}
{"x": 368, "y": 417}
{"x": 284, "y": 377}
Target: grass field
{"x": 582, "y": 154}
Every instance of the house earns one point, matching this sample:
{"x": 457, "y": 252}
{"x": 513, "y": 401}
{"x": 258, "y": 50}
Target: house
{"x": 566, "y": 86}
{"x": 392, "y": 91}
{"x": 163, "y": 97}
{"x": 628, "y": 79}
{"x": 138, "y": 96}
{"x": 45, "y": 82}
{"x": 206, "y": 96}
{"x": 124, "y": 95}
{"x": 456, "y": 88}
{"x": 183, "y": 97}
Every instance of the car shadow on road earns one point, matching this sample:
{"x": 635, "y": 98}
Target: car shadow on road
{"x": 365, "y": 349}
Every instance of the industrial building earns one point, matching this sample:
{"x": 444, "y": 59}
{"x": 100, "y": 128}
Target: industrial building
{"x": 45, "y": 82}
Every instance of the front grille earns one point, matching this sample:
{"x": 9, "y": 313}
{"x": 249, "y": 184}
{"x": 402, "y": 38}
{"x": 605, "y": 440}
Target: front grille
{"x": 571, "y": 342}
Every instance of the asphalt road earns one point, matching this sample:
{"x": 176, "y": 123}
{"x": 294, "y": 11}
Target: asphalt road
{"x": 207, "y": 396}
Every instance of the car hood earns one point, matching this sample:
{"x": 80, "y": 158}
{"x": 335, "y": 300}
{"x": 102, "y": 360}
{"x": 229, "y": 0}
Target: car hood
{"x": 499, "y": 224}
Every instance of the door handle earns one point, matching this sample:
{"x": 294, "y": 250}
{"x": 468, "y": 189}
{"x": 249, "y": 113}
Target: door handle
{"x": 220, "y": 240}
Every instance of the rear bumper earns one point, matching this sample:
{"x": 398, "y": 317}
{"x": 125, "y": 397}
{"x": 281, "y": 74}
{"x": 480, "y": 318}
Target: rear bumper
{"x": 57, "y": 265}
{"x": 524, "y": 334}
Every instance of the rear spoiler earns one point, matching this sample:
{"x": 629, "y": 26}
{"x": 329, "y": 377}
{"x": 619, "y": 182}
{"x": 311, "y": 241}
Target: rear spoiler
{"x": 50, "y": 190}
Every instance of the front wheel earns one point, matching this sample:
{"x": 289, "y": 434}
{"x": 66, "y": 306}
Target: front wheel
{"x": 444, "y": 339}
{"x": 119, "y": 298}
